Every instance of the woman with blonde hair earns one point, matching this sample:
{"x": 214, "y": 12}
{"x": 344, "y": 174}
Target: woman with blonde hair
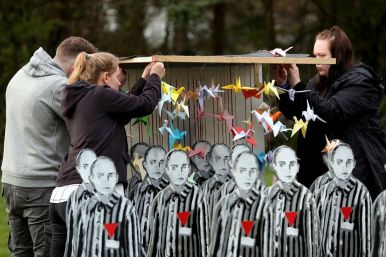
{"x": 96, "y": 113}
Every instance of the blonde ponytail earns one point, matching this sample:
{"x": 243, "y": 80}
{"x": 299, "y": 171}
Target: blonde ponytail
{"x": 88, "y": 67}
{"x": 79, "y": 67}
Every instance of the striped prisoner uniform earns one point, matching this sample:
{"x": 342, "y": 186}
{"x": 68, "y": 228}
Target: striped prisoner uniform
{"x": 125, "y": 240}
{"x": 211, "y": 189}
{"x": 166, "y": 230}
{"x": 76, "y": 208}
{"x": 227, "y": 232}
{"x": 320, "y": 182}
{"x": 379, "y": 226}
{"x": 336, "y": 239}
{"x": 296, "y": 198}
{"x": 142, "y": 197}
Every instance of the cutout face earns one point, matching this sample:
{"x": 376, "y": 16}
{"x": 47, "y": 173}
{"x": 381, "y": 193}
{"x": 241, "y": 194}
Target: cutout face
{"x": 201, "y": 163}
{"x": 236, "y": 151}
{"x": 286, "y": 165}
{"x": 137, "y": 157}
{"x": 154, "y": 163}
{"x": 342, "y": 162}
{"x": 104, "y": 176}
{"x": 219, "y": 160}
{"x": 178, "y": 168}
{"x": 84, "y": 160}
{"x": 245, "y": 172}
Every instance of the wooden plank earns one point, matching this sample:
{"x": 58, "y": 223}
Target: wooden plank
{"x": 229, "y": 59}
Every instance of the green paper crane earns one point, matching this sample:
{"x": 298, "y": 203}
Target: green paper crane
{"x": 145, "y": 121}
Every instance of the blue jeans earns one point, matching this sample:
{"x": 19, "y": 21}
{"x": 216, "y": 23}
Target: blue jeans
{"x": 28, "y": 218}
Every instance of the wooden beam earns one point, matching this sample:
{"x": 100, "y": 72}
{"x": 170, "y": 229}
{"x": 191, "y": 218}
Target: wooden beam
{"x": 229, "y": 59}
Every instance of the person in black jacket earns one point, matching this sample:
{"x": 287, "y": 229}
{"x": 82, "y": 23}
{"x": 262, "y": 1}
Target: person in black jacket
{"x": 96, "y": 113}
{"x": 346, "y": 95}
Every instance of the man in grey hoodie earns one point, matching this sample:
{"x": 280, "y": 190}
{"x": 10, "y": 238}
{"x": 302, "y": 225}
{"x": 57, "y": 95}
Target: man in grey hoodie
{"x": 36, "y": 141}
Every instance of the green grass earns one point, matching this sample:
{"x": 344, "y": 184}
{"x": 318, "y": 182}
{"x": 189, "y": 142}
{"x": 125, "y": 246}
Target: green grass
{"x": 4, "y": 252}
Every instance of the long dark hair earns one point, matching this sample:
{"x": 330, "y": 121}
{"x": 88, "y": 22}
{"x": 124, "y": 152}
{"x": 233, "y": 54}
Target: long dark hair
{"x": 341, "y": 49}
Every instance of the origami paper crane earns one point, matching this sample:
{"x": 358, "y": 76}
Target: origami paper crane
{"x": 165, "y": 128}
{"x": 270, "y": 89}
{"x": 224, "y": 116}
{"x": 176, "y": 93}
{"x": 252, "y": 92}
{"x": 266, "y": 119}
{"x": 172, "y": 91}
{"x": 279, "y": 127}
{"x": 145, "y": 121}
{"x": 309, "y": 114}
{"x": 164, "y": 98}
{"x": 174, "y": 114}
{"x": 291, "y": 92}
{"x": 330, "y": 145}
{"x": 165, "y": 88}
{"x": 299, "y": 124}
{"x": 279, "y": 52}
{"x": 240, "y": 133}
{"x": 190, "y": 94}
{"x": 181, "y": 107}
{"x": 203, "y": 93}
{"x": 175, "y": 135}
{"x": 260, "y": 158}
{"x": 198, "y": 151}
{"x": 237, "y": 87}
{"x": 214, "y": 89}
{"x": 179, "y": 146}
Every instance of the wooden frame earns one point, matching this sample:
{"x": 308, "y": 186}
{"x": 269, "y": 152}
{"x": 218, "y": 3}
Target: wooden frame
{"x": 228, "y": 59}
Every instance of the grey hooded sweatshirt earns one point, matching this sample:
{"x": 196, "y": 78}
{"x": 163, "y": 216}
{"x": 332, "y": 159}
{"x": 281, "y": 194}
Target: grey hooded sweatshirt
{"x": 36, "y": 139}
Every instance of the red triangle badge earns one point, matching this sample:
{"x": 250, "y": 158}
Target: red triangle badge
{"x": 183, "y": 216}
{"x": 346, "y": 212}
{"x": 291, "y": 217}
{"x": 247, "y": 226}
{"x": 110, "y": 228}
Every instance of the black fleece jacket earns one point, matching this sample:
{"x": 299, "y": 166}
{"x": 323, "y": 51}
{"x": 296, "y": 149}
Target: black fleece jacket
{"x": 96, "y": 117}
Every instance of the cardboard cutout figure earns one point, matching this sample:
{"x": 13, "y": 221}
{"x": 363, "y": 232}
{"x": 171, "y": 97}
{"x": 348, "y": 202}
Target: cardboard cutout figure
{"x": 344, "y": 207}
{"x": 295, "y": 222}
{"x": 379, "y": 226}
{"x": 240, "y": 225}
{"x": 200, "y": 165}
{"x": 76, "y": 205}
{"x": 218, "y": 159}
{"x": 144, "y": 192}
{"x": 178, "y": 217}
{"x": 112, "y": 225}
{"x": 229, "y": 186}
{"x": 328, "y": 176}
{"x": 137, "y": 153}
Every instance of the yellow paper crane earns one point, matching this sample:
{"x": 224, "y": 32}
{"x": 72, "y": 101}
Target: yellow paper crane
{"x": 270, "y": 89}
{"x": 181, "y": 107}
{"x": 176, "y": 93}
{"x": 165, "y": 88}
{"x": 237, "y": 87}
{"x": 299, "y": 124}
{"x": 180, "y": 147}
